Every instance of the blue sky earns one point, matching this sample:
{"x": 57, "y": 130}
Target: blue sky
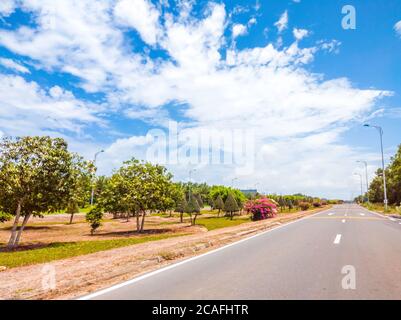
{"x": 102, "y": 74}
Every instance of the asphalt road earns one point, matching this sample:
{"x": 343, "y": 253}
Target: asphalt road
{"x": 346, "y": 252}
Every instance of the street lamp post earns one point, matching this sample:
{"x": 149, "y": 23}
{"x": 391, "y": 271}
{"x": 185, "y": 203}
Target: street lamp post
{"x": 360, "y": 176}
{"x": 94, "y": 168}
{"x": 367, "y": 181}
{"x": 384, "y": 173}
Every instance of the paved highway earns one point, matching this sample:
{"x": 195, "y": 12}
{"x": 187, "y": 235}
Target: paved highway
{"x": 346, "y": 252}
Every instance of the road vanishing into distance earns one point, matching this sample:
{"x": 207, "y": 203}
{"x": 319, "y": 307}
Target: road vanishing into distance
{"x": 346, "y": 252}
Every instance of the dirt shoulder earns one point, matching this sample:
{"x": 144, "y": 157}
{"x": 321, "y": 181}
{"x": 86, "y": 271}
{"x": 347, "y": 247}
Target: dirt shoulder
{"x": 84, "y": 274}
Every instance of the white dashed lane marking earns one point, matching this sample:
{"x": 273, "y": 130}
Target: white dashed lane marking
{"x": 337, "y": 239}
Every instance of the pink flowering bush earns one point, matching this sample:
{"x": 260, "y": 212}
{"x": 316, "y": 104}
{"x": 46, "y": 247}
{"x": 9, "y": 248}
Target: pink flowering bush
{"x": 262, "y": 208}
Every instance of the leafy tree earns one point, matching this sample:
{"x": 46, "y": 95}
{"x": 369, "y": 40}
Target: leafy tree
{"x": 393, "y": 181}
{"x": 192, "y": 208}
{"x": 231, "y": 206}
{"x": 173, "y": 197}
{"x": 138, "y": 187}
{"x": 219, "y": 204}
{"x": 290, "y": 204}
{"x": 223, "y": 191}
{"x": 181, "y": 207}
{"x": 198, "y": 198}
{"x": 80, "y": 185}
{"x": 35, "y": 177}
{"x": 72, "y": 208}
{"x": 94, "y": 217}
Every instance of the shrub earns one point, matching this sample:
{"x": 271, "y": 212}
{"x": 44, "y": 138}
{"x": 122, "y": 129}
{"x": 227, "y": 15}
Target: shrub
{"x": 192, "y": 208}
{"x": 304, "y": 205}
{"x": 231, "y": 206}
{"x": 317, "y": 204}
{"x": 261, "y": 209}
{"x": 218, "y": 203}
{"x": 94, "y": 217}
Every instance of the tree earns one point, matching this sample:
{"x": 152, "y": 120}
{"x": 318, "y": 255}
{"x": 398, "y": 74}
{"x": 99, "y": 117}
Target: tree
{"x": 72, "y": 208}
{"x": 137, "y": 187}
{"x": 94, "y": 217}
{"x": 223, "y": 191}
{"x": 393, "y": 182}
{"x": 219, "y": 204}
{"x": 35, "y": 177}
{"x": 181, "y": 207}
{"x": 80, "y": 185}
{"x": 231, "y": 206}
{"x": 198, "y": 198}
{"x": 192, "y": 208}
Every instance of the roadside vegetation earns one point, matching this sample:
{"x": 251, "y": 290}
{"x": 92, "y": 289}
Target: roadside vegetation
{"x": 62, "y": 250}
{"x": 375, "y": 195}
{"x": 40, "y": 178}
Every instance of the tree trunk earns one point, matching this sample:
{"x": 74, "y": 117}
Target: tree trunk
{"x": 218, "y": 214}
{"x": 137, "y": 221}
{"x": 194, "y": 221}
{"x": 231, "y": 215}
{"x": 127, "y": 216}
{"x": 15, "y": 226}
{"x": 143, "y": 220}
{"x": 71, "y": 217}
{"x": 181, "y": 217}
{"x": 26, "y": 218}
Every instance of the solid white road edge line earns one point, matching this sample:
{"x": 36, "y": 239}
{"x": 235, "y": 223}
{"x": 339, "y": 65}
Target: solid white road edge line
{"x": 337, "y": 239}
{"x": 174, "y": 265}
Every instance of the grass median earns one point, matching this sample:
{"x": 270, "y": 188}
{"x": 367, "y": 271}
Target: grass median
{"x": 62, "y": 250}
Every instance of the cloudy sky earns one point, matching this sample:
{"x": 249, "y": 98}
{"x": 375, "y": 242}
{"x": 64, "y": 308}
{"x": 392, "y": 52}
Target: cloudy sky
{"x": 283, "y": 73}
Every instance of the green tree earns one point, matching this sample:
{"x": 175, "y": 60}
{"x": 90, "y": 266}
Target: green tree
{"x": 35, "y": 178}
{"x": 192, "y": 208}
{"x": 138, "y": 187}
{"x": 72, "y": 208}
{"x": 198, "y": 198}
{"x": 79, "y": 190}
{"x": 181, "y": 206}
{"x": 231, "y": 206}
{"x": 94, "y": 217}
{"x": 219, "y": 204}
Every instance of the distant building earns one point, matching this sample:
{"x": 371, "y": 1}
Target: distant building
{"x": 251, "y": 192}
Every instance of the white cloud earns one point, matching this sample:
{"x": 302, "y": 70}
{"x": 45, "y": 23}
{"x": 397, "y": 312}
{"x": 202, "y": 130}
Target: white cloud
{"x": 11, "y": 64}
{"x": 6, "y": 7}
{"x": 238, "y": 30}
{"x": 28, "y": 109}
{"x": 299, "y": 34}
{"x": 282, "y": 23}
{"x": 397, "y": 27}
{"x": 295, "y": 113}
{"x": 141, "y": 15}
